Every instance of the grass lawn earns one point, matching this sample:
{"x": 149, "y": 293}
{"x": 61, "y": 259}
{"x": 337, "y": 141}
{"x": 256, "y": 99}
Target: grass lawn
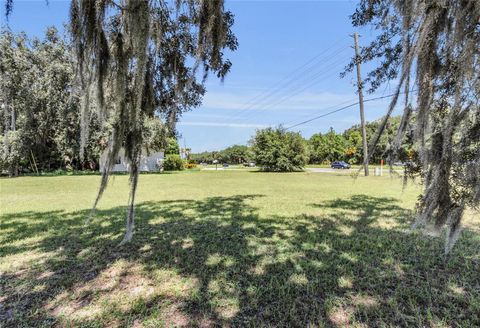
{"x": 229, "y": 248}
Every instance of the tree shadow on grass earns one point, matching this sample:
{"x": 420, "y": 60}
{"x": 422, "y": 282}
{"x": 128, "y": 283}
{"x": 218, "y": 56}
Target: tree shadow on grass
{"x": 217, "y": 262}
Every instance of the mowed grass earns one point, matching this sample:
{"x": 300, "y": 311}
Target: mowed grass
{"x": 230, "y": 248}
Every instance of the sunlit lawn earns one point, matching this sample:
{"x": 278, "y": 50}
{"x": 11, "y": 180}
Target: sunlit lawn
{"x": 229, "y": 248}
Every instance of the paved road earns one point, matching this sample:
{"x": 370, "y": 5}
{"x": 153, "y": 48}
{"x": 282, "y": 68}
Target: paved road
{"x": 327, "y": 170}
{"x": 309, "y": 169}
{"x": 386, "y": 170}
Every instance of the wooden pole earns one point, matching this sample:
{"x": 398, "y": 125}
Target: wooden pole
{"x": 34, "y": 162}
{"x": 360, "y": 100}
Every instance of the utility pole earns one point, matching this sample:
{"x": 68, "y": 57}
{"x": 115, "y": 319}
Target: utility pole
{"x": 360, "y": 100}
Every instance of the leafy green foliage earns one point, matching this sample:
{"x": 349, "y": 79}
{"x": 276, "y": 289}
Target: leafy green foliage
{"x": 154, "y": 134}
{"x": 38, "y": 104}
{"x": 438, "y": 45}
{"x": 172, "y": 147}
{"x": 327, "y": 147}
{"x": 141, "y": 59}
{"x": 236, "y": 154}
{"x": 10, "y": 152}
{"x": 203, "y": 157}
{"x": 173, "y": 162}
{"x": 385, "y": 143}
{"x": 347, "y": 146}
{"x": 279, "y": 151}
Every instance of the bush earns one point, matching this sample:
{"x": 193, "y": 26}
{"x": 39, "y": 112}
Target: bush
{"x": 279, "y": 151}
{"x": 10, "y": 152}
{"x": 173, "y": 163}
{"x": 190, "y": 165}
{"x": 172, "y": 147}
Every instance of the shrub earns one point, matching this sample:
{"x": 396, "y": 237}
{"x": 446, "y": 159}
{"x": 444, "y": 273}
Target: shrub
{"x": 190, "y": 165}
{"x": 172, "y": 147}
{"x": 10, "y": 152}
{"x": 279, "y": 151}
{"x": 173, "y": 163}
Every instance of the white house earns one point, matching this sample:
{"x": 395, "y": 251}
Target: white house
{"x": 152, "y": 162}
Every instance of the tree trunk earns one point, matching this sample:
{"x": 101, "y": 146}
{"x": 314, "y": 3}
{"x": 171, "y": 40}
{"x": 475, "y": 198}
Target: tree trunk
{"x": 130, "y": 222}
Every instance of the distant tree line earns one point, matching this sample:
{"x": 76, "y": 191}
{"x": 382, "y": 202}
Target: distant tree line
{"x": 236, "y": 154}
{"x": 347, "y": 146}
{"x": 280, "y": 150}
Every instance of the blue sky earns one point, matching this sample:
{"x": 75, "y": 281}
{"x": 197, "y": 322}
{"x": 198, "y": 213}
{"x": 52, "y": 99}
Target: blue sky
{"x": 285, "y": 71}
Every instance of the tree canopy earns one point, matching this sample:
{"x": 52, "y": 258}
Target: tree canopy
{"x": 278, "y": 150}
{"x": 43, "y": 119}
{"x": 236, "y": 154}
{"x": 433, "y": 47}
{"x": 327, "y": 147}
{"x": 139, "y": 58}
{"x": 172, "y": 146}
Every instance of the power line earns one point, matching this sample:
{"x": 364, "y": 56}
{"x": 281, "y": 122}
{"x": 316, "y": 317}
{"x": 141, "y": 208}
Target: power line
{"x": 318, "y": 112}
{"x": 320, "y": 116}
{"x": 299, "y": 80}
{"x": 298, "y": 88}
{"x": 341, "y": 109}
{"x": 302, "y": 77}
{"x": 297, "y": 74}
{"x": 314, "y": 80}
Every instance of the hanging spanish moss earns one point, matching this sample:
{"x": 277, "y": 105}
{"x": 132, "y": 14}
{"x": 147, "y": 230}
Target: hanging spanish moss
{"x": 138, "y": 59}
{"x": 437, "y": 43}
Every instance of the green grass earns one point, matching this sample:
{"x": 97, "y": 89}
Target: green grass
{"x": 229, "y": 248}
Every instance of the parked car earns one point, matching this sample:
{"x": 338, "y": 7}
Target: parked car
{"x": 340, "y": 165}
{"x": 225, "y": 165}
